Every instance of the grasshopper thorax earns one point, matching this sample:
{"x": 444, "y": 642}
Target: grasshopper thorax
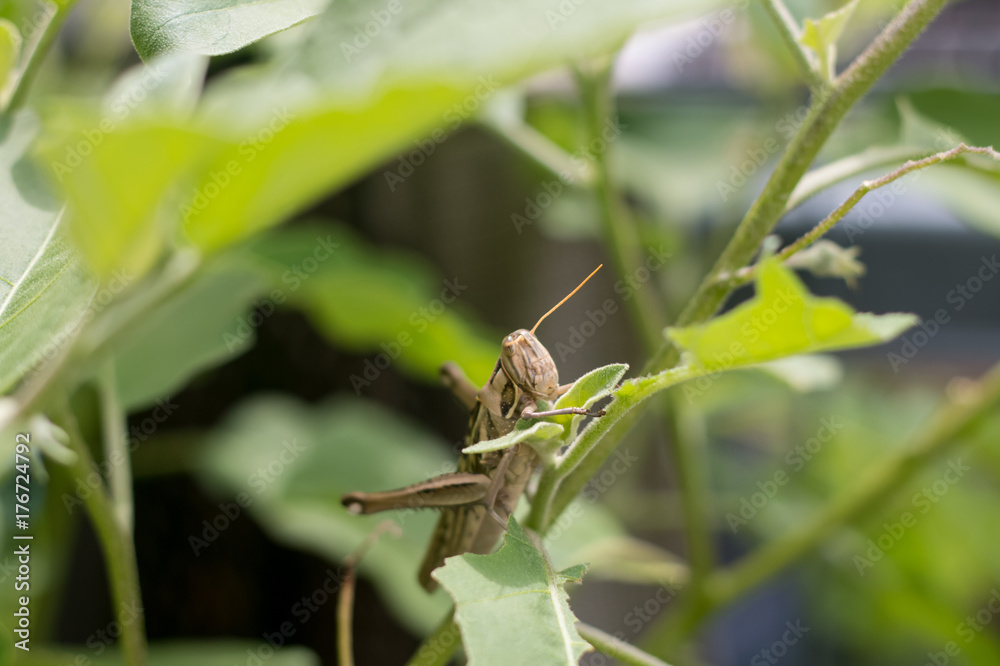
{"x": 529, "y": 365}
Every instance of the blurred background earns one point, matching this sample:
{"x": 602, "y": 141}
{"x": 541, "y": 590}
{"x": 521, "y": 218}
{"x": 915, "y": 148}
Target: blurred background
{"x": 457, "y": 242}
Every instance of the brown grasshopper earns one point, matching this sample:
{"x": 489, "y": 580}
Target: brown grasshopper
{"x": 524, "y": 374}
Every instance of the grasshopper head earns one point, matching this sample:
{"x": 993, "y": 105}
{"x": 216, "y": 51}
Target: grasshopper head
{"x": 529, "y": 365}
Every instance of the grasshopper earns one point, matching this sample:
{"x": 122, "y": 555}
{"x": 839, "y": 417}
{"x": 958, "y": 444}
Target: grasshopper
{"x": 487, "y": 484}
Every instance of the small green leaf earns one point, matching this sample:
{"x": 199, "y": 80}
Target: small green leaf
{"x": 783, "y": 319}
{"x": 824, "y": 258}
{"x": 10, "y": 51}
{"x": 526, "y": 610}
{"x": 212, "y": 27}
{"x": 821, "y": 36}
{"x": 587, "y": 390}
{"x": 539, "y": 432}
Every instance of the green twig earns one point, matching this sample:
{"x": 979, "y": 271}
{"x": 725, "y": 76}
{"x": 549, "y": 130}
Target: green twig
{"x": 790, "y": 32}
{"x": 542, "y": 150}
{"x": 30, "y": 69}
{"x": 116, "y": 452}
{"x": 624, "y": 652}
{"x": 116, "y": 544}
{"x": 952, "y": 422}
{"x": 746, "y": 273}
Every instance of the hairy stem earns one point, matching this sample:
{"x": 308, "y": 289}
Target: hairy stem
{"x": 624, "y": 652}
{"x": 26, "y": 77}
{"x": 116, "y": 544}
{"x": 116, "y": 448}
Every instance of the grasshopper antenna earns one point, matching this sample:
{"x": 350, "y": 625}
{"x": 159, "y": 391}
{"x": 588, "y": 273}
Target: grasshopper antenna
{"x": 556, "y": 307}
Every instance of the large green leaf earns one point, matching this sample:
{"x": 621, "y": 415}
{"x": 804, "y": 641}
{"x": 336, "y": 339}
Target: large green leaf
{"x": 212, "y": 27}
{"x": 781, "y": 320}
{"x": 513, "y": 603}
{"x": 10, "y": 50}
{"x": 44, "y": 288}
{"x": 313, "y": 455}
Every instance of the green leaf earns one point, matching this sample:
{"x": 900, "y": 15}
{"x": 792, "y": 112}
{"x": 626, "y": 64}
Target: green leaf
{"x": 44, "y": 287}
{"x": 10, "y": 51}
{"x": 201, "y": 326}
{"x": 538, "y": 432}
{"x": 179, "y": 653}
{"x": 315, "y": 454}
{"x": 513, "y": 603}
{"x": 783, "y": 319}
{"x": 821, "y": 36}
{"x": 588, "y": 389}
{"x": 212, "y": 27}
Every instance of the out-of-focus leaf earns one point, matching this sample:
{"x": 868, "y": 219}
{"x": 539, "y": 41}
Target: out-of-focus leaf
{"x": 10, "y": 50}
{"x": 513, "y": 603}
{"x": 169, "y": 653}
{"x": 199, "y": 327}
{"x": 821, "y": 36}
{"x": 212, "y": 27}
{"x": 313, "y": 455}
{"x": 44, "y": 288}
{"x": 169, "y": 86}
{"x": 807, "y": 372}
{"x": 783, "y": 319}
{"x": 632, "y": 560}
{"x": 824, "y": 258}
{"x": 376, "y": 301}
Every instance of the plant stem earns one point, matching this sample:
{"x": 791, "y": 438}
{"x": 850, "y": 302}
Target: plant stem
{"x": 618, "y": 649}
{"x": 116, "y": 448}
{"x": 746, "y": 273}
{"x": 116, "y": 544}
{"x": 19, "y": 95}
{"x": 824, "y": 116}
{"x": 690, "y": 451}
{"x": 790, "y": 32}
{"x": 619, "y": 228}
{"x": 952, "y": 422}
{"x": 437, "y": 649}
{"x": 542, "y": 150}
